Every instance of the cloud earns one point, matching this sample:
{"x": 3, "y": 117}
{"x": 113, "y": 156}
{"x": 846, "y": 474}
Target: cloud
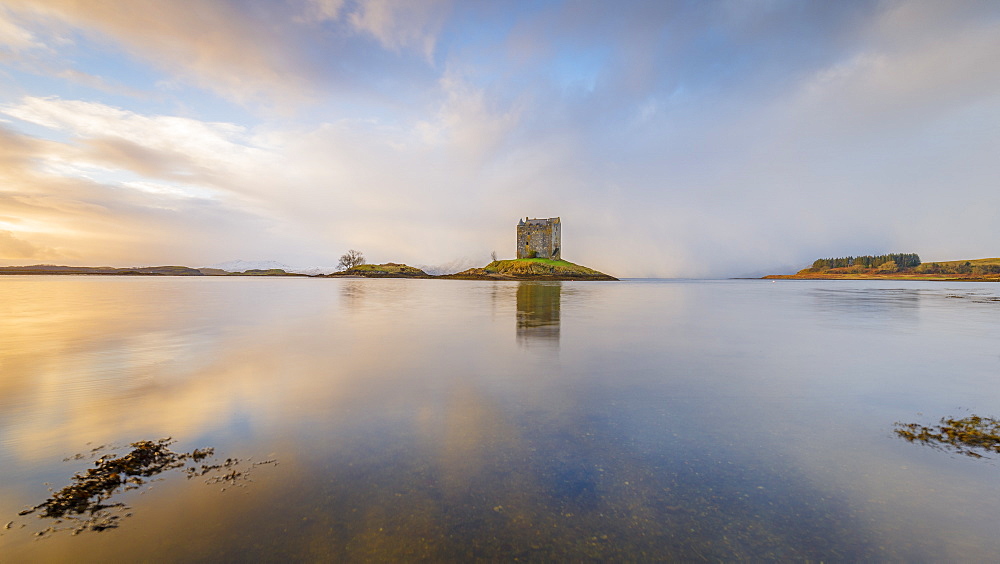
{"x": 219, "y": 45}
{"x": 400, "y": 23}
{"x": 268, "y": 55}
{"x": 15, "y": 38}
{"x": 98, "y": 83}
{"x": 168, "y": 147}
{"x": 323, "y": 10}
{"x": 13, "y": 248}
{"x": 317, "y": 190}
{"x": 470, "y": 120}
{"x": 673, "y": 138}
{"x": 65, "y": 214}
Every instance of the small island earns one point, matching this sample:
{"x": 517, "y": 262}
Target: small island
{"x": 539, "y": 248}
{"x": 530, "y": 269}
{"x": 517, "y": 269}
{"x": 898, "y": 266}
{"x": 387, "y": 270}
{"x": 539, "y": 257}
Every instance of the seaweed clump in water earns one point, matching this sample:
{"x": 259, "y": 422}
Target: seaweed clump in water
{"x": 968, "y": 436}
{"x": 85, "y": 499}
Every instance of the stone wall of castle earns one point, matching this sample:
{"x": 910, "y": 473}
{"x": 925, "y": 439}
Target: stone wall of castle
{"x": 541, "y": 237}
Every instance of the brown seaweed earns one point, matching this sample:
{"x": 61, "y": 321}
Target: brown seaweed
{"x": 970, "y": 436}
{"x": 86, "y": 501}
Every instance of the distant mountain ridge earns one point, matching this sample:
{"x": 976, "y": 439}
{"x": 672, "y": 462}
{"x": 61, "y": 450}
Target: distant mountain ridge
{"x": 240, "y": 265}
{"x": 127, "y": 271}
{"x": 450, "y": 267}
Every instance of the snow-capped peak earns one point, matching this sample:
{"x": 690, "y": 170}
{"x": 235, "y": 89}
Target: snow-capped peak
{"x": 244, "y": 265}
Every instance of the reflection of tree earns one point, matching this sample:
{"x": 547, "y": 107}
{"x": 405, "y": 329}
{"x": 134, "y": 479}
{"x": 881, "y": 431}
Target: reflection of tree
{"x": 352, "y": 292}
{"x": 873, "y": 302}
{"x": 538, "y": 310}
{"x": 969, "y": 436}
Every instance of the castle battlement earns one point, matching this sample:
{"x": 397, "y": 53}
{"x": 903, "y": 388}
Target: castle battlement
{"x": 539, "y": 237}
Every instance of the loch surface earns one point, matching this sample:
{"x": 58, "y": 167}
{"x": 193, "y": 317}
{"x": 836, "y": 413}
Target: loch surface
{"x": 466, "y": 420}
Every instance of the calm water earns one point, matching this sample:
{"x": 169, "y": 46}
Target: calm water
{"x": 454, "y": 420}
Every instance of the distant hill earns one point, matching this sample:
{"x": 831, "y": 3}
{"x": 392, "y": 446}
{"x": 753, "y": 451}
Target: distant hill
{"x": 312, "y": 270}
{"x": 449, "y": 267}
{"x": 106, "y": 270}
{"x": 239, "y": 265}
{"x": 236, "y": 266}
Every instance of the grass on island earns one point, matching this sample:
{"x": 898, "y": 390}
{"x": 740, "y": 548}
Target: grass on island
{"x": 535, "y": 267}
{"x": 518, "y": 269}
{"x": 387, "y": 269}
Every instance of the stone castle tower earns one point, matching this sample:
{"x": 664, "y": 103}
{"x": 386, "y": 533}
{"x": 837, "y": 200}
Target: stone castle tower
{"x": 540, "y": 238}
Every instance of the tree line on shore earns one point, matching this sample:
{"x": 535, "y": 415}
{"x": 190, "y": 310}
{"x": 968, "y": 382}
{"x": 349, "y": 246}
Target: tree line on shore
{"x": 898, "y": 262}
{"x": 959, "y": 268}
{"x": 891, "y": 262}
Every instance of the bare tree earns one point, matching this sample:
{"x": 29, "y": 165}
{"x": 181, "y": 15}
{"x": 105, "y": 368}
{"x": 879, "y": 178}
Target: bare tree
{"x": 493, "y": 255}
{"x": 350, "y": 259}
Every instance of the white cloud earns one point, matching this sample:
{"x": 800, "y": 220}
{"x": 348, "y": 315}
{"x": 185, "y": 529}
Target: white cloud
{"x": 14, "y": 37}
{"x": 398, "y": 24}
{"x": 323, "y": 10}
{"x": 98, "y": 83}
{"x": 220, "y": 47}
{"x": 174, "y": 147}
{"x": 469, "y": 121}
{"x": 12, "y": 247}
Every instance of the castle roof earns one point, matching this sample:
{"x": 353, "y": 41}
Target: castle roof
{"x": 539, "y": 221}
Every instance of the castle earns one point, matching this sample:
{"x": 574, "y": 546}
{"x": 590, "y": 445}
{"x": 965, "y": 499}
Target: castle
{"x": 540, "y": 238}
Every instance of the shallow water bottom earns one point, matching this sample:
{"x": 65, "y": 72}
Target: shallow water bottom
{"x": 446, "y": 420}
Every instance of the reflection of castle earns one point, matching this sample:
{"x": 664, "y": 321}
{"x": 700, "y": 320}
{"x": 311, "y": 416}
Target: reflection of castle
{"x": 538, "y": 311}
{"x": 539, "y": 238}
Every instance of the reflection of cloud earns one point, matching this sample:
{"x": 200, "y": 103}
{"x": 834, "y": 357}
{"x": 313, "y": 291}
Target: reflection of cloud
{"x": 410, "y": 416}
{"x": 94, "y": 359}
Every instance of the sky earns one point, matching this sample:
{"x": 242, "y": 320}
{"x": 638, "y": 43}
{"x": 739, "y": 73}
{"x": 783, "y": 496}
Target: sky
{"x": 673, "y": 138}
